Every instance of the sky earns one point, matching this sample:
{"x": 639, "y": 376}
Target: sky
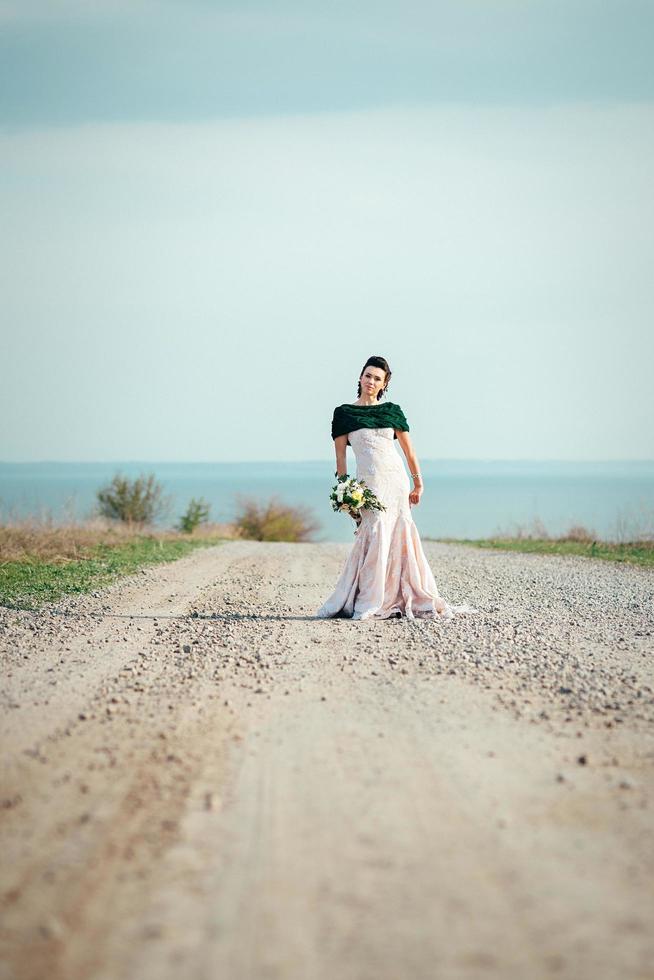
{"x": 212, "y": 214}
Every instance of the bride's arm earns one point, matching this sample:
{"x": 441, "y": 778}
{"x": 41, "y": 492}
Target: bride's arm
{"x": 404, "y": 440}
{"x": 340, "y": 445}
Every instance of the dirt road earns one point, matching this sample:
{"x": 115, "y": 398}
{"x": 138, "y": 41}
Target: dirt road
{"x": 202, "y": 780}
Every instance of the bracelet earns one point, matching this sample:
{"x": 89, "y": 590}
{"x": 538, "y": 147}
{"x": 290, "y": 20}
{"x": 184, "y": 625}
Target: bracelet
{"x": 416, "y": 476}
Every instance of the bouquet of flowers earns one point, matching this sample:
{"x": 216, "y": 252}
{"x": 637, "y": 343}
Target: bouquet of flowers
{"x": 352, "y": 496}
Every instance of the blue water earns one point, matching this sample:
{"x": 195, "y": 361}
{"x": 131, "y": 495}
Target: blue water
{"x": 463, "y": 498}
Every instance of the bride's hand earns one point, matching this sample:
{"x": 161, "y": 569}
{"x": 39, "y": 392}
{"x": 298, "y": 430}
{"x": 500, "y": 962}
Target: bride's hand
{"x": 415, "y": 495}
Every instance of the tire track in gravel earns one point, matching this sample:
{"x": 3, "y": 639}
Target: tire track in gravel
{"x": 99, "y": 769}
{"x": 82, "y": 643}
{"x": 256, "y": 793}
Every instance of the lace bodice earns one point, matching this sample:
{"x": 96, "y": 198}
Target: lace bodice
{"x": 379, "y": 464}
{"x": 374, "y": 449}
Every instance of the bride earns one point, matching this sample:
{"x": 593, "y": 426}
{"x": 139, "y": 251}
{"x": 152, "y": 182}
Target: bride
{"x": 386, "y": 573}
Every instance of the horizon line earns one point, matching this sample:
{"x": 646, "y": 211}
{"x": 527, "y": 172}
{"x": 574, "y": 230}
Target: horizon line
{"x": 300, "y": 462}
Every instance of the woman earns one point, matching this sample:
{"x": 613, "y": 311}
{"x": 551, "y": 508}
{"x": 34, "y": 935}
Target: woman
{"x": 386, "y": 573}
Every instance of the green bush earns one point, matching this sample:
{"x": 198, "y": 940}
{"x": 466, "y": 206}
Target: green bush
{"x": 274, "y": 521}
{"x": 138, "y": 501}
{"x": 196, "y": 513}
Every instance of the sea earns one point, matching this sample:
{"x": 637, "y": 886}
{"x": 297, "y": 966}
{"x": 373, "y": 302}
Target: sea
{"x": 462, "y": 498}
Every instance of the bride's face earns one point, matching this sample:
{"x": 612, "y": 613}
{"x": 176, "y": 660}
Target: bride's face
{"x": 372, "y": 381}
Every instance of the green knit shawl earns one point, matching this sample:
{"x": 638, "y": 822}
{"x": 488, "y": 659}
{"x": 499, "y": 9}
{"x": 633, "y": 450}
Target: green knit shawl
{"x": 383, "y": 415}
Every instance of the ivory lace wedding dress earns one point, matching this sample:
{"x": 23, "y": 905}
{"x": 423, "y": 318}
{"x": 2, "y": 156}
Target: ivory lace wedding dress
{"x": 386, "y": 572}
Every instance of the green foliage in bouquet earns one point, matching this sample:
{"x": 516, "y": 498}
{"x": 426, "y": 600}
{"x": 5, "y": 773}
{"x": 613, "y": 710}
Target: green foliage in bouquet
{"x": 352, "y": 496}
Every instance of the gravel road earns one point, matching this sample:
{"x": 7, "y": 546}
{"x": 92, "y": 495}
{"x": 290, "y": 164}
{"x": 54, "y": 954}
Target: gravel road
{"x": 201, "y": 780}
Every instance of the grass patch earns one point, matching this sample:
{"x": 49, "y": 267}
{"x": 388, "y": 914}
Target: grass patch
{"x": 41, "y": 561}
{"x": 43, "y": 564}
{"x": 633, "y": 552}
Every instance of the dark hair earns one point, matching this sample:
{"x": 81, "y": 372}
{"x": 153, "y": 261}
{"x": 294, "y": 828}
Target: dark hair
{"x": 379, "y": 362}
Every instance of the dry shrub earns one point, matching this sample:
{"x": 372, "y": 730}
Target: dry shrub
{"x": 522, "y": 532}
{"x": 577, "y": 532}
{"x": 274, "y": 520}
{"x": 635, "y": 525}
{"x": 538, "y": 530}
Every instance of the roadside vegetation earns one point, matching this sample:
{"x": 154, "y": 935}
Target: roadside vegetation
{"x": 631, "y": 545}
{"x": 42, "y": 560}
{"x": 273, "y": 520}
